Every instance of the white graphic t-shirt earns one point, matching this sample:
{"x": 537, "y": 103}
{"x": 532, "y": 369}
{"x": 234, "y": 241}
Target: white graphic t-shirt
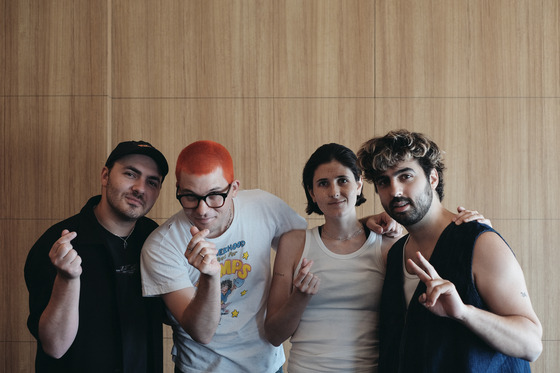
{"x": 238, "y": 345}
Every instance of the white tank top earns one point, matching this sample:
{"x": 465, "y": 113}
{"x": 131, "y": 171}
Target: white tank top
{"x": 410, "y": 280}
{"x": 339, "y": 329}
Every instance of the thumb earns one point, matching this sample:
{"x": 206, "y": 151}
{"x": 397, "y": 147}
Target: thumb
{"x": 194, "y": 230}
{"x": 306, "y": 263}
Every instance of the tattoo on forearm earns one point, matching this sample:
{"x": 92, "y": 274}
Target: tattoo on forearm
{"x": 524, "y": 294}
{"x": 278, "y": 274}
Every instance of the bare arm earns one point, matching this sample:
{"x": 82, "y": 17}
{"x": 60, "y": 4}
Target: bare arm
{"x": 58, "y": 324}
{"x": 288, "y": 298}
{"x": 511, "y": 325}
{"x": 198, "y": 311}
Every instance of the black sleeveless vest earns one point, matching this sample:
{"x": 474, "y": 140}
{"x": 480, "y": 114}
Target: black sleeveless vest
{"x": 419, "y": 341}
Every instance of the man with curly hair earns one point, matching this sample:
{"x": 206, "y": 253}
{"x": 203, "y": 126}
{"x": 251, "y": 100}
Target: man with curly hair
{"x": 454, "y": 297}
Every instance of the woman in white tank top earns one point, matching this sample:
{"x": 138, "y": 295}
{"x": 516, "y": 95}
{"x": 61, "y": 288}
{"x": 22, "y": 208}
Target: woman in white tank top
{"x": 327, "y": 280}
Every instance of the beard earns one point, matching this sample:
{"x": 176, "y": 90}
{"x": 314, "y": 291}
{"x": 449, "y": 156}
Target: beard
{"x": 417, "y": 208}
{"x": 120, "y": 207}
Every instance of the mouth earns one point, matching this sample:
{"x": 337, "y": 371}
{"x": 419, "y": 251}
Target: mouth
{"x": 203, "y": 220}
{"x": 337, "y": 203}
{"x": 135, "y": 201}
{"x": 400, "y": 205}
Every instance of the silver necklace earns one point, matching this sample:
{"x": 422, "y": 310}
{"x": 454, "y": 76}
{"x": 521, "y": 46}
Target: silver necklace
{"x": 124, "y": 240}
{"x": 325, "y": 235}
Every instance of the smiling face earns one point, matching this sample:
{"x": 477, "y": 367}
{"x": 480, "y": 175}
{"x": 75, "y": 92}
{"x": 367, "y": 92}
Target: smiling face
{"x": 131, "y": 187}
{"x": 218, "y": 219}
{"x": 405, "y": 192}
{"x": 335, "y": 189}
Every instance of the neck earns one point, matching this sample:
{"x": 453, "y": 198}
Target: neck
{"x": 342, "y": 224}
{"x": 341, "y": 228}
{"x": 111, "y": 222}
{"x": 425, "y": 234}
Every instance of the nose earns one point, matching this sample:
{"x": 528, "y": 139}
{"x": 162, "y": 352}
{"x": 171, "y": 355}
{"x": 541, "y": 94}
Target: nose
{"x": 139, "y": 186}
{"x": 202, "y": 208}
{"x": 396, "y": 189}
{"x": 335, "y": 191}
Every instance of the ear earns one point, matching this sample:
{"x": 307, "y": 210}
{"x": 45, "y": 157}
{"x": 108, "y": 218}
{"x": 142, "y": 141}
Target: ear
{"x": 104, "y": 176}
{"x": 434, "y": 178}
{"x": 234, "y": 188}
{"x": 360, "y": 185}
{"x": 310, "y": 190}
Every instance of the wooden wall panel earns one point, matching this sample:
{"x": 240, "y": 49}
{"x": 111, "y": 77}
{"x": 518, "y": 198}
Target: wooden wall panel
{"x": 272, "y": 81}
{"x": 54, "y": 150}
{"x": 55, "y": 47}
{"x": 168, "y": 365}
{"x": 200, "y": 48}
{"x": 17, "y": 357}
{"x": 467, "y": 48}
{"x": 497, "y": 151}
{"x": 172, "y": 124}
{"x": 3, "y": 38}
{"x": 324, "y": 48}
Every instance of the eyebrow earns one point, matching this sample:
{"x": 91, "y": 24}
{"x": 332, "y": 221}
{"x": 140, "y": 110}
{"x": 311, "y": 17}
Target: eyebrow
{"x": 403, "y": 170}
{"x": 396, "y": 173}
{"x": 134, "y": 169}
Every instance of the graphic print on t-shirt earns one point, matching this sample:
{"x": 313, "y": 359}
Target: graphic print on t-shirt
{"x": 235, "y": 269}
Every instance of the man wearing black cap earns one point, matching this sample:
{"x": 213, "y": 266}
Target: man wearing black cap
{"x": 83, "y": 275}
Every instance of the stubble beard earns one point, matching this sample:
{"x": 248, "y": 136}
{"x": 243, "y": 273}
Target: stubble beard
{"x": 417, "y": 208}
{"x": 117, "y": 202}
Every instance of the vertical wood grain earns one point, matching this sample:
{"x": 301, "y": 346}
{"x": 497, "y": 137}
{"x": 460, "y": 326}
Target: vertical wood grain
{"x": 467, "y": 48}
{"x": 272, "y": 81}
{"x": 197, "y": 48}
{"x": 54, "y": 149}
{"x": 55, "y": 47}
{"x": 324, "y": 48}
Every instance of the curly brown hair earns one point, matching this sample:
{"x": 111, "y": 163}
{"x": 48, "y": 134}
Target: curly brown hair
{"x": 381, "y": 153}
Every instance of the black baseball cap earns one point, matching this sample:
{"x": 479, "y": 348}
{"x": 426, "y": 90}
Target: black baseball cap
{"x": 139, "y": 147}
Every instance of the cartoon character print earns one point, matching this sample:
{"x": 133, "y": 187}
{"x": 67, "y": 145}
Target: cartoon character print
{"x": 235, "y": 270}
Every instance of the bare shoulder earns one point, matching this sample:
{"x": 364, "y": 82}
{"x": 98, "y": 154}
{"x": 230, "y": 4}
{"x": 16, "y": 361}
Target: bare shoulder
{"x": 290, "y": 249}
{"x": 291, "y": 238}
{"x": 491, "y": 251}
{"x": 495, "y": 269}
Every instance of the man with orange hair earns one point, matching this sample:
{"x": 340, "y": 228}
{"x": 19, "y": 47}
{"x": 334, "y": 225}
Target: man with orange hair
{"x": 210, "y": 263}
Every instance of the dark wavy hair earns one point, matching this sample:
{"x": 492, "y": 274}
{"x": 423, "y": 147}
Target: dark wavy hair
{"x": 381, "y": 153}
{"x": 325, "y": 154}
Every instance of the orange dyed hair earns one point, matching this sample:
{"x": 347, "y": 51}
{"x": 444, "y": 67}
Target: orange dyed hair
{"x": 203, "y": 157}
